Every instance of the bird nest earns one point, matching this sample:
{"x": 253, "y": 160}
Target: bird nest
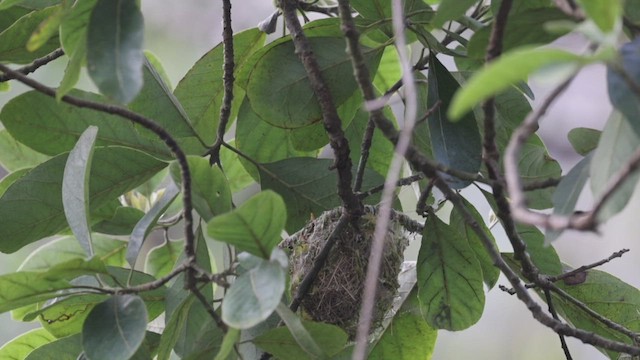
{"x": 336, "y": 294}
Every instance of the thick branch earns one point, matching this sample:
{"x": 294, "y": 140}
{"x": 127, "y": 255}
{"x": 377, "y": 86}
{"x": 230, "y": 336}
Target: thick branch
{"x": 35, "y": 65}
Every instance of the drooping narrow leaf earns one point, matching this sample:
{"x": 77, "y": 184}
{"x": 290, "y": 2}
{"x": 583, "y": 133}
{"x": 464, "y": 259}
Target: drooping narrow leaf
{"x": 72, "y": 72}
{"x": 75, "y": 188}
{"x": 281, "y": 343}
{"x": 300, "y": 334}
{"x": 449, "y": 278}
{"x": 114, "y": 48}
{"x": 254, "y": 227}
{"x": 145, "y": 225}
{"x": 455, "y": 144}
{"x": 31, "y": 208}
{"x": 584, "y": 140}
{"x": 228, "y": 342}
{"x": 617, "y": 143}
{"x": 622, "y": 97}
{"x": 13, "y": 40}
{"x": 255, "y": 294}
{"x": 21, "y": 346}
{"x": 115, "y": 328}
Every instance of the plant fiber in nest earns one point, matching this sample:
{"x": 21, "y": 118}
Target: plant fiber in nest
{"x": 336, "y": 294}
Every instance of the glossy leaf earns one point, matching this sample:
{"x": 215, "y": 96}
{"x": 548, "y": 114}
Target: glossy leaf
{"x": 603, "y": 12}
{"x": 300, "y": 333}
{"x": 279, "y": 88}
{"x": 14, "y": 155}
{"x": 255, "y": 294}
{"x": 115, "y": 328}
{"x": 31, "y": 208}
{"x": 504, "y": 72}
{"x": 450, "y": 10}
{"x": 13, "y": 40}
{"x": 201, "y": 90}
{"x": 568, "y": 192}
{"x": 210, "y": 190}
{"x": 307, "y": 187}
{"x": 455, "y": 144}
{"x": 584, "y": 140}
{"x": 148, "y": 221}
{"x": 617, "y": 144}
{"x": 280, "y": 342}
{"x": 162, "y": 258}
{"x": 622, "y": 97}
{"x": 51, "y": 128}
{"x": 75, "y": 188}
{"x": 254, "y": 227}
{"x": 449, "y": 278}
{"x": 21, "y": 346}
{"x": 114, "y": 48}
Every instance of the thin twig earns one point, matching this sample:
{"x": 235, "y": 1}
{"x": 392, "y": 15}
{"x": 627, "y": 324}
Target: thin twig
{"x": 209, "y": 308}
{"x": 331, "y": 120}
{"x": 401, "y": 182}
{"x": 552, "y": 311}
{"x": 584, "y": 268}
{"x": 35, "y": 65}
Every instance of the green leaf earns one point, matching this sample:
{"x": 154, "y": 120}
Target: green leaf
{"x": 21, "y": 346}
{"x": 205, "y": 77}
{"x": 156, "y": 64}
{"x": 72, "y": 72}
{"x": 114, "y": 48}
{"x": 49, "y": 127}
{"x": 255, "y": 294}
{"x": 450, "y": 10}
{"x": 280, "y": 342}
{"x": 120, "y": 222}
{"x": 300, "y": 333}
{"x": 536, "y": 164}
{"x": 622, "y": 97}
{"x": 28, "y": 287}
{"x": 237, "y": 175}
{"x": 73, "y": 29}
{"x": 455, "y": 144}
{"x": 13, "y": 39}
{"x": 210, "y": 190}
{"x": 568, "y": 192}
{"x": 584, "y": 140}
{"x": 115, "y": 328}
{"x": 542, "y": 254}
{"x": 46, "y": 30}
{"x": 449, "y": 278}
{"x": 605, "y": 13}
{"x": 617, "y": 144}
{"x": 148, "y": 221}
{"x": 162, "y": 258}
{"x": 389, "y": 70}
{"x": 14, "y": 155}
{"x": 381, "y": 150}
{"x": 279, "y": 88}
{"x": 416, "y": 10}
{"x": 31, "y": 208}
{"x": 75, "y": 188}
{"x": 9, "y": 179}
{"x": 527, "y": 27}
{"x": 409, "y": 338}
{"x": 307, "y": 187}
{"x": 504, "y": 72}
{"x": 254, "y": 227}
{"x": 64, "y": 316}
{"x": 228, "y": 343}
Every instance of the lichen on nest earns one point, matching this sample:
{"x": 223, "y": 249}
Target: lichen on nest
{"x": 336, "y": 294}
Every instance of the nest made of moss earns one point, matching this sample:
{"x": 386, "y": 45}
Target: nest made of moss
{"x": 336, "y": 294}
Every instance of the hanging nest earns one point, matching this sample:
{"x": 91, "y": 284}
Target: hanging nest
{"x": 336, "y": 294}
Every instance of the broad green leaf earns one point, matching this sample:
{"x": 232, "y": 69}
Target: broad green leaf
{"x": 420, "y": 136}
{"x": 46, "y": 30}
{"x": 490, "y": 273}
{"x": 228, "y": 343}
{"x": 14, "y": 155}
{"x": 504, "y": 72}
{"x": 381, "y": 150}
{"x": 21, "y": 346}
{"x": 617, "y": 144}
{"x": 75, "y": 188}
{"x": 280, "y": 342}
{"x": 148, "y": 221}
{"x": 520, "y": 6}
{"x": 237, "y": 175}
{"x": 32, "y": 209}
{"x": 449, "y": 278}
{"x": 29, "y": 287}
{"x": 120, "y": 222}
{"x": 255, "y": 294}
{"x": 389, "y": 70}
{"x": 542, "y": 254}
{"x": 51, "y": 128}
{"x": 622, "y": 97}
{"x": 13, "y": 40}
{"x": 73, "y": 29}
{"x": 254, "y": 227}
{"x": 201, "y": 90}
{"x": 632, "y": 11}
{"x": 156, "y": 64}
{"x": 300, "y": 333}
{"x": 115, "y": 328}
{"x": 114, "y": 48}
{"x": 307, "y": 187}
{"x": 410, "y": 337}
{"x": 174, "y": 325}
{"x": 261, "y": 141}
{"x": 72, "y": 72}
{"x": 9, "y": 179}
{"x": 524, "y": 28}
{"x": 584, "y": 140}
{"x": 279, "y": 88}
{"x": 210, "y": 192}
{"x": 162, "y": 258}
{"x": 568, "y": 192}
{"x": 450, "y": 10}
{"x": 605, "y": 13}
{"x": 64, "y": 316}
{"x": 416, "y": 10}
{"x": 536, "y": 164}
{"x": 11, "y": 15}
{"x": 455, "y": 144}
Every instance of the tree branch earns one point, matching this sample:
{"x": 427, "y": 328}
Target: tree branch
{"x": 35, "y": 65}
